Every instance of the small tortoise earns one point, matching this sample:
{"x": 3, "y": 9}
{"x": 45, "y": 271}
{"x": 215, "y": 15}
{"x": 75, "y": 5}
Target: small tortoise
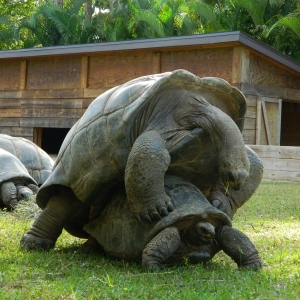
{"x": 38, "y": 163}
{"x": 173, "y": 122}
{"x": 194, "y": 231}
{"x": 15, "y": 182}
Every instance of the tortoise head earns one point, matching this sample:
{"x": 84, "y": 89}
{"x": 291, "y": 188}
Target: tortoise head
{"x": 234, "y": 166}
{"x": 204, "y": 232}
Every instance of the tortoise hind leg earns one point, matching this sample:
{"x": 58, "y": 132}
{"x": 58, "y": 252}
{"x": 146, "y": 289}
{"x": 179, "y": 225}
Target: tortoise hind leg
{"x": 50, "y": 222}
{"x": 239, "y": 247}
{"x": 9, "y": 195}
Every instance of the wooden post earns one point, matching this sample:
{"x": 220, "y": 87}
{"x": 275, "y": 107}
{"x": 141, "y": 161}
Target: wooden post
{"x": 84, "y": 71}
{"x": 23, "y": 74}
{"x": 240, "y": 65}
{"x": 258, "y": 122}
{"x": 156, "y": 62}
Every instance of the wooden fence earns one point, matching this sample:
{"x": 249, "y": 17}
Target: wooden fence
{"x": 281, "y": 163}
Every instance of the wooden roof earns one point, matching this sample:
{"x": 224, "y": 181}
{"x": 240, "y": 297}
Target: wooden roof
{"x": 217, "y": 39}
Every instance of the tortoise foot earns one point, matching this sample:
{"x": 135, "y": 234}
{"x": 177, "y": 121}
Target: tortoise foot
{"x": 254, "y": 264}
{"x": 31, "y": 242}
{"x": 152, "y": 209}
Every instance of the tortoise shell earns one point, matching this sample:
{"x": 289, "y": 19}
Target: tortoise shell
{"x": 38, "y": 163}
{"x": 122, "y": 236}
{"x": 93, "y": 156}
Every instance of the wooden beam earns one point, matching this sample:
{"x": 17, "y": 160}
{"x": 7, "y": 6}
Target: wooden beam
{"x": 23, "y": 74}
{"x": 279, "y": 121}
{"x": 156, "y": 62}
{"x": 84, "y": 71}
{"x": 266, "y": 122}
{"x": 258, "y": 122}
{"x": 37, "y": 136}
{"x": 240, "y": 65}
{"x": 271, "y": 91}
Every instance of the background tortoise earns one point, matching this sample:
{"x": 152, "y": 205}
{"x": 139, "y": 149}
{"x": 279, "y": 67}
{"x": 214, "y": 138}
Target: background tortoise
{"x": 38, "y": 163}
{"x": 174, "y": 122}
{"x": 187, "y": 233}
{"x": 15, "y": 182}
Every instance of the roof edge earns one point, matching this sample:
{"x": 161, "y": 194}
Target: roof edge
{"x": 169, "y": 42}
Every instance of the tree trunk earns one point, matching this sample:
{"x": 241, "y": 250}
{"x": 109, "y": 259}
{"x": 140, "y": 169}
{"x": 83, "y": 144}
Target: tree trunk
{"x": 59, "y": 3}
{"x": 88, "y": 8}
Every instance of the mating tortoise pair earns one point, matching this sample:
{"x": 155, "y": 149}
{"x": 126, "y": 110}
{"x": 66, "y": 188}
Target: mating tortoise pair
{"x": 172, "y": 123}
{"x": 23, "y": 168}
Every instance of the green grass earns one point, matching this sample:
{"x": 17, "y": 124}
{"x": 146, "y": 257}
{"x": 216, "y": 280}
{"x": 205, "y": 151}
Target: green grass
{"x": 271, "y": 218}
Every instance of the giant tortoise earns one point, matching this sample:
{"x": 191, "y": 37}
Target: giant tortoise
{"x": 194, "y": 231}
{"x": 173, "y": 122}
{"x": 38, "y": 163}
{"x": 15, "y": 182}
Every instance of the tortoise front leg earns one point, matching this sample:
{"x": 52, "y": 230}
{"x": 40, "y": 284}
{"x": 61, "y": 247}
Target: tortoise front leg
{"x": 9, "y": 195}
{"x": 160, "y": 248}
{"x": 239, "y": 247}
{"x": 144, "y": 177}
{"x": 50, "y": 222}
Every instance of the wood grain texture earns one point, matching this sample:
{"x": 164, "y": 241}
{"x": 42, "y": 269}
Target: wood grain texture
{"x": 54, "y": 73}
{"x": 271, "y": 91}
{"x": 281, "y": 163}
{"x": 109, "y": 70}
{"x": 48, "y": 122}
{"x": 201, "y": 62}
{"x": 9, "y": 74}
{"x": 264, "y": 72}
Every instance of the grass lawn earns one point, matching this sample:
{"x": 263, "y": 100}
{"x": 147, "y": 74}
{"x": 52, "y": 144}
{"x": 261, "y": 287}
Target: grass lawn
{"x": 271, "y": 218}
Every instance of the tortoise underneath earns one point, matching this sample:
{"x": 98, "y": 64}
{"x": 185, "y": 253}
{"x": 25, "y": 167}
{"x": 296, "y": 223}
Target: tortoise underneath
{"x": 194, "y": 231}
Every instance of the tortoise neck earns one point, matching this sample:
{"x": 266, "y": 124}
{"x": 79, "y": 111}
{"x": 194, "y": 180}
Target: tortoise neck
{"x": 221, "y": 128}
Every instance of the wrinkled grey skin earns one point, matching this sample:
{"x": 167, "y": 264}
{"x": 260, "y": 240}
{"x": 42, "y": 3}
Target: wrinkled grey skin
{"x": 173, "y": 123}
{"x": 38, "y": 163}
{"x": 193, "y": 231}
{"x": 15, "y": 182}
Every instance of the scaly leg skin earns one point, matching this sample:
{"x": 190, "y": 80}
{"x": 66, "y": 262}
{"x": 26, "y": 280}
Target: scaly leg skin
{"x": 144, "y": 177}
{"x": 230, "y": 200}
{"x": 49, "y": 224}
{"x": 9, "y": 195}
{"x": 239, "y": 247}
{"x": 160, "y": 248}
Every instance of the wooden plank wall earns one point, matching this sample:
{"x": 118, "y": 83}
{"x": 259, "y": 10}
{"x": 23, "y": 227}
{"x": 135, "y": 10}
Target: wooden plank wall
{"x": 55, "y": 91}
{"x": 281, "y": 163}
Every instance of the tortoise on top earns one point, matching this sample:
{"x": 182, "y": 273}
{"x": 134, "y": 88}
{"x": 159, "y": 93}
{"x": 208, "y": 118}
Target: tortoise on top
{"x": 38, "y": 163}
{"x": 193, "y": 231}
{"x": 174, "y": 122}
{"x": 15, "y": 182}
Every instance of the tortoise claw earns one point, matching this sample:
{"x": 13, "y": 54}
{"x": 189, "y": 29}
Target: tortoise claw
{"x": 155, "y": 215}
{"x": 163, "y": 211}
{"x": 145, "y": 216}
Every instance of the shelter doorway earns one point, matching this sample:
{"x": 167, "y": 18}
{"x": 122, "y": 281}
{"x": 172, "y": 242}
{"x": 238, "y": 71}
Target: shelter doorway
{"x": 50, "y": 139}
{"x": 290, "y": 124}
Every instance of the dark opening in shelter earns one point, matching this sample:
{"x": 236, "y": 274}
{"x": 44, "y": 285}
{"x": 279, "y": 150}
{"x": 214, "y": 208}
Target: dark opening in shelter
{"x": 290, "y": 124}
{"x": 52, "y": 139}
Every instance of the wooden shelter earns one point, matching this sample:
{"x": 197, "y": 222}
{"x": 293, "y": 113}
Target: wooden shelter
{"x": 44, "y": 91}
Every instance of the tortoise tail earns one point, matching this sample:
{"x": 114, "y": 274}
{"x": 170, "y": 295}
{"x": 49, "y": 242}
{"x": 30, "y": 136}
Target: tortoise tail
{"x": 239, "y": 247}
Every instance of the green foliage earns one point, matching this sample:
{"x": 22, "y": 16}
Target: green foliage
{"x": 12, "y": 12}
{"x": 41, "y": 23}
{"x": 271, "y": 218}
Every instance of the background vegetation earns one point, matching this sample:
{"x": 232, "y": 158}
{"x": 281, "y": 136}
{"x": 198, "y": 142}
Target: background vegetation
{"x": 271, "y": 218}
{"x": 40, "y": 23}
